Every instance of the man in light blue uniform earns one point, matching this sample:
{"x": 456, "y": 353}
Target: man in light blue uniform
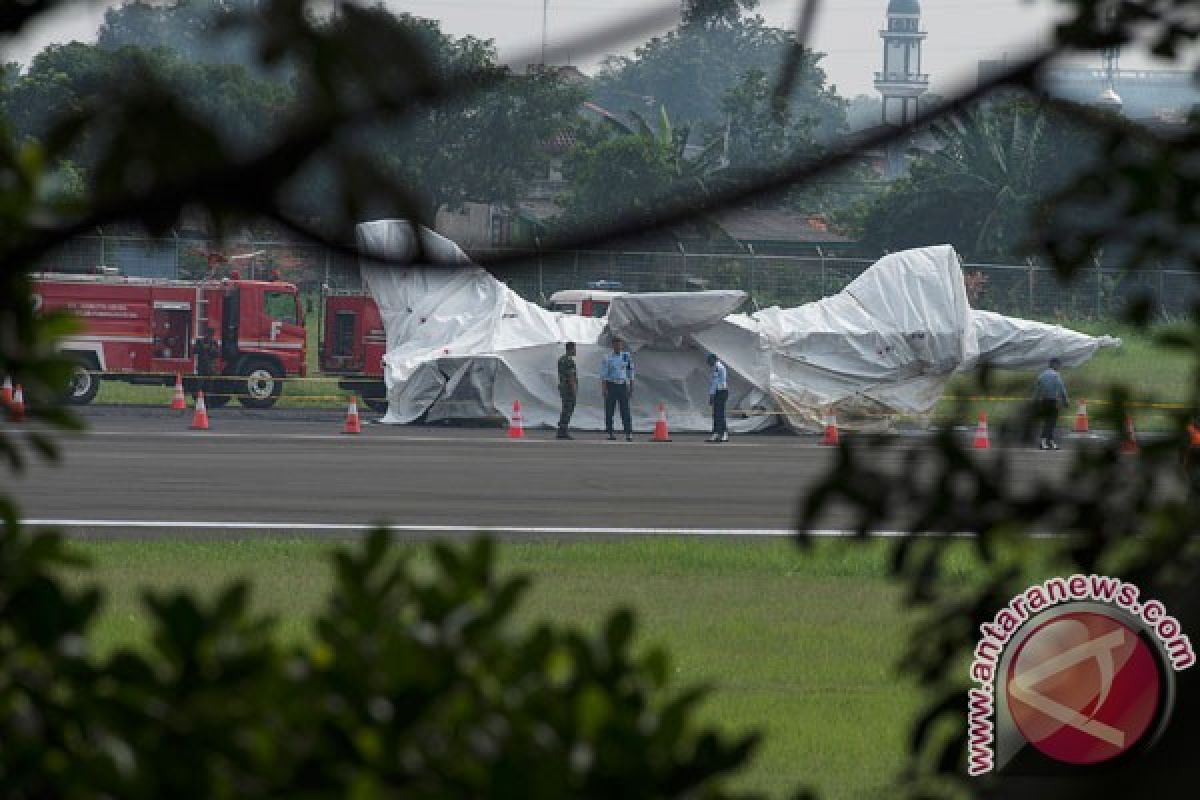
{"x": 616, "y": 381}
{"x": 718, "y": 396}
{"x": 1049, "y": 399}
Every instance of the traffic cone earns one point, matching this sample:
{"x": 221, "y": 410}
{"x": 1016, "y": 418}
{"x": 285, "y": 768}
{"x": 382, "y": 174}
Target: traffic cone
{"x": 1081, "y": 418}
{"x": 200, "y": 417}
{"x": 515, "y": 429}
{"x": 178, "y": 402}
{"x": 6, "y": 391}
{"x": 352, "y": 422}
{"x": 831, "y": 438}
{"x": 1129, "y": 444}
{"x": 982, "y": 440}
{"x": 661, "y": 434}
{"x": 16, "y": 408}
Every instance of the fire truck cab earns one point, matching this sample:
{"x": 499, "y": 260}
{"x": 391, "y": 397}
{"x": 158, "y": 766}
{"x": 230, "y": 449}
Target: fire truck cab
{"x": 144, "y": 331}
{"x": 353, "y": 343}
{"x": 353, "y": 339}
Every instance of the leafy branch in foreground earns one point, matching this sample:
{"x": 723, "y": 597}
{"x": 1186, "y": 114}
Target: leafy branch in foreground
{"x": 415, "y": 683}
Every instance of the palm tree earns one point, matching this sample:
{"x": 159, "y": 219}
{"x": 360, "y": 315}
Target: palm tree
{"x": 672, "y": 143}
{"x": 986, "y": 164}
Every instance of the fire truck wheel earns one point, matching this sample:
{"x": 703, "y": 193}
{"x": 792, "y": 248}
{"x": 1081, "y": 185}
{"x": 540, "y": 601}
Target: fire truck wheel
{"x": 82, "y": 387}
{"x": 262, "y": 385}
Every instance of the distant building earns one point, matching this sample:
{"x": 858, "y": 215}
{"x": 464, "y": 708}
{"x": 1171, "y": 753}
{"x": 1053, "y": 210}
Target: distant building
{"x": 1139, "y": 93}
{"x": 782, "y": 232}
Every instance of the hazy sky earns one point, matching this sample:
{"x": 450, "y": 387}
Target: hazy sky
{"x": 960, "y": 31}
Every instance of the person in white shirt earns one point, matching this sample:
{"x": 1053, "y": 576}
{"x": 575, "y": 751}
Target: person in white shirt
{"x": 718, "y": 396}
{"x": 616, "y": 381}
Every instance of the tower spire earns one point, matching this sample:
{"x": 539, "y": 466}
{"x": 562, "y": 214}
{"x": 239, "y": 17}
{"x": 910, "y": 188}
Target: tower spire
{"x": 902, "y": 82}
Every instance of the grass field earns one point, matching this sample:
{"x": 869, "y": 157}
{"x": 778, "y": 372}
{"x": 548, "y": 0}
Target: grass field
{"x": 1156, "y": 377}
{"x": 800, "y": 646}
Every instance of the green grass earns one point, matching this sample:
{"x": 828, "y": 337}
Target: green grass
{"x": 800, "y": 646}
{"x": 1155, "y": 376}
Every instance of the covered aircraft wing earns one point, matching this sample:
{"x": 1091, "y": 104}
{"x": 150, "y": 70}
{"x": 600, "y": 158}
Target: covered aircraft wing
{"x": 664, "y": 318}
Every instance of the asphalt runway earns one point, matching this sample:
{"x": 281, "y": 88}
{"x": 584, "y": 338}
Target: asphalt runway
{"x": 141, "y": 472}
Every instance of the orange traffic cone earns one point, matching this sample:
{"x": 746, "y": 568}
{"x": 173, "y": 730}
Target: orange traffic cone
{"x": 178, "y": 402}
{"x": 661, "y": 434}
{"x": 200, "y": 417}
{"x": 1081, "y": 418}
{"x": 515, "y": 429}
{"x": 353, "y": 425}
{"x": 831, "y": 438}
{"x": 16, "y": 408}
{"x": 6, "y": 391}
{"x": 1129, "y": 444}
{"x": 982, "y": 440}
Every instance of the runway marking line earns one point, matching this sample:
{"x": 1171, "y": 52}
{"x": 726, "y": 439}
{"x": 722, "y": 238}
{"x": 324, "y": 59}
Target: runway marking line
{"x": 337, "y": 437}
{"x": 335, "y": 527}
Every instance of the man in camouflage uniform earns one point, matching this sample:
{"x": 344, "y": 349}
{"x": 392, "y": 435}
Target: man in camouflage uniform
{"x": 568, "y": 389}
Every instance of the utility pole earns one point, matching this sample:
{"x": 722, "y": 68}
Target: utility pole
{"x": 545, "y": 16}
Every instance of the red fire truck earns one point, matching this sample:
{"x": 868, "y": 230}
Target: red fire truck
{"x": 143, "y": 330}
{"x": 353, "y": 343}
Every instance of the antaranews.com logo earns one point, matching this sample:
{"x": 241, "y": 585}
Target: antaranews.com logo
{"x": 1074, "y": 671}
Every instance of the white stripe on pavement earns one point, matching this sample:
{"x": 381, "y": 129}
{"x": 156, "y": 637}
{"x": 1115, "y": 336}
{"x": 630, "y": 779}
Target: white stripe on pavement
{"x": 335, "y": 527}
{"x": 402, "y": 438}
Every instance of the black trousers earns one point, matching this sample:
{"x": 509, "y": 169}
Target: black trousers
{"x": 617, "y": 394}
{"x": 718, "y": 406}
{"x": 1048, "y": 411}
{"x": 568, "y": 408}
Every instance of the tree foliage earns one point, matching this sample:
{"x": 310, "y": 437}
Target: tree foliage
{"x": 635, "y": 169}
{"x": 980, "y": 180}
{"x": 482, "y": 147}
{"x": 195, "y": 31}
{"x": 411, "y": 685}
{"x": 690, "y": 69}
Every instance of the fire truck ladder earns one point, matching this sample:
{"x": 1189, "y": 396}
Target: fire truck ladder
{"x": 201, "y": 313}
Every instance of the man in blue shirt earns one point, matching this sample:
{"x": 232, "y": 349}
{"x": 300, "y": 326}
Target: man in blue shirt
{"x": 616, "y": 381}
{"x": 1049, "y": 398}
{"x": 718, "y": 395}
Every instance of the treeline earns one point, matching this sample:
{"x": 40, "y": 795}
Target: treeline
{"x": 687, "y": 112}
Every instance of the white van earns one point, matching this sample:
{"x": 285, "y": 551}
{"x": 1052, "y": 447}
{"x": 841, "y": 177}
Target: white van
{"x": 583, "y": 302}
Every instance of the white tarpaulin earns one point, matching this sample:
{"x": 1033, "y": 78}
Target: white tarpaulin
{"x": 462, "y": 345}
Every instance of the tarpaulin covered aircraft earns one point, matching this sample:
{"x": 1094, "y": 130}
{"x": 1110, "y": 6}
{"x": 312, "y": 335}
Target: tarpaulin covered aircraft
{"x": 462, "y": 345}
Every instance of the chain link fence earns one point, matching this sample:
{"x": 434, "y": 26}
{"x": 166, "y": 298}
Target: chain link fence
{"x": 1021, "y": 290}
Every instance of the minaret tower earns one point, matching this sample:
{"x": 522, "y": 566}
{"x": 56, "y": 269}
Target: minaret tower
{"x": 902, "y": 83}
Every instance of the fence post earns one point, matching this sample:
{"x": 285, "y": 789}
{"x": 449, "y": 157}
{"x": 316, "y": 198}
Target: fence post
{"x": 541, "y": 286}
{"x": 1099, "y": 286}
{"x": 1162, "y": 295}
{"x": 1030, "y": 306}
{"x": 683, "y": 269}
{"x": 824, "y": 289}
